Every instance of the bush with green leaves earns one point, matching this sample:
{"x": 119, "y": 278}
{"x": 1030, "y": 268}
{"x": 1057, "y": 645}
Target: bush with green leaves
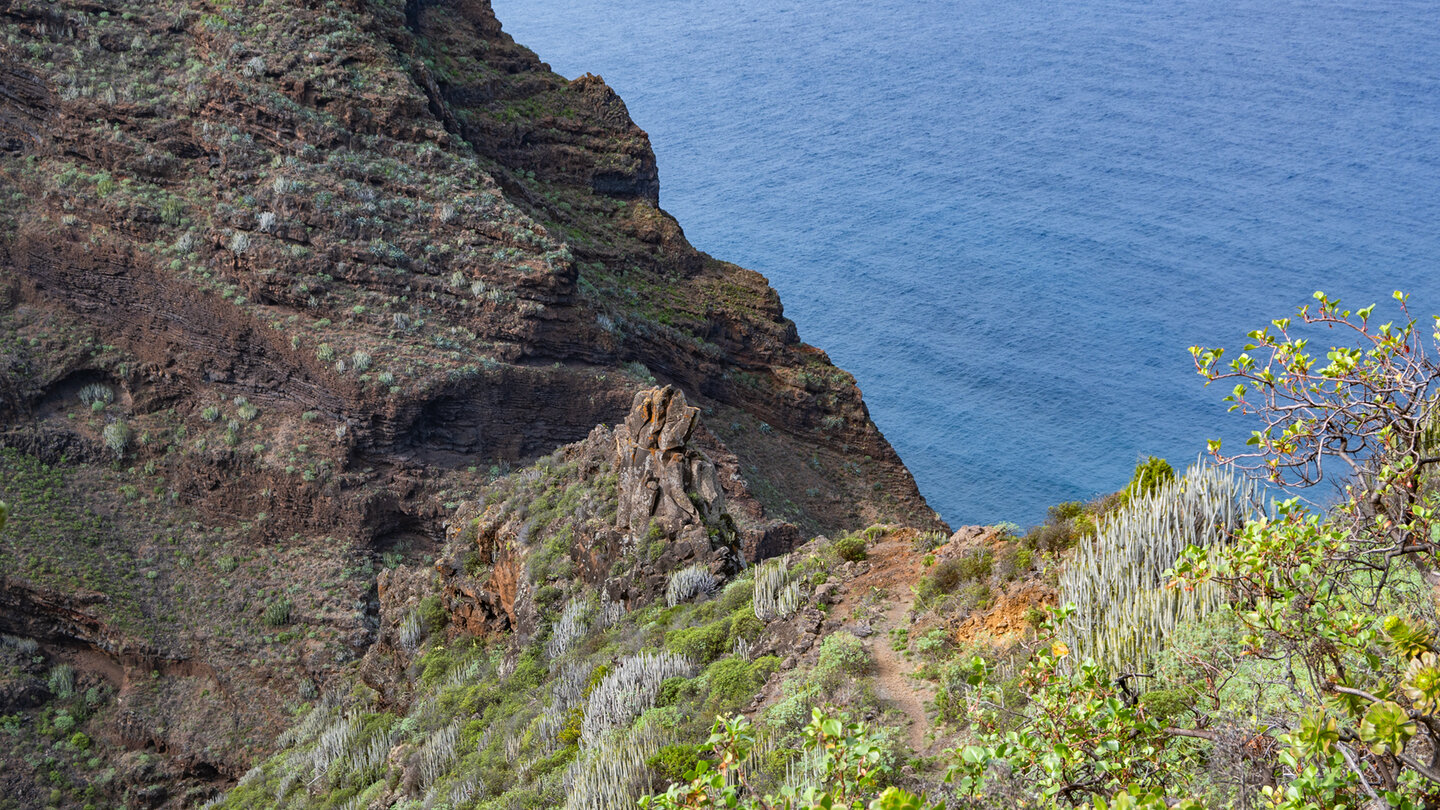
{"x": 847, "y": 770}
{"x": 1151, "y": 475}
{"x": 702, "y": 644}
{"x": 1078, "y": 736}
{"x": 850, "y": 548}
{"x": 947, "y": 576}
{"x": 1321, "y": 675}
{"x": 842, "y": 658}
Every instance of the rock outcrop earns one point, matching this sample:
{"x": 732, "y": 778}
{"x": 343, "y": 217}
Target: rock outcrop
{"x": 670, "y": 511}
{"x": 664, "y": 479}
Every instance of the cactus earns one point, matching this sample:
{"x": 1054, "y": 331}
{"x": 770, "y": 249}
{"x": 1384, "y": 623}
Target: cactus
{"x": 611, "y": 774}
{"x": 689, "y": 582}
{"x": 438, "y": 752}
{"x": 333, "y": 744}
{"x": 117, "y": 438}
{"x": 410, "y": 631}
{"x": 569, "y": 688}
{"x": 1123, "y": 612}
{"x": 572, "y": 626}
{"x": 631, "y": 689}
{"x": 610, "y": 612}
{"x": 776, "y": 595}
{"x": 97, "y": 392}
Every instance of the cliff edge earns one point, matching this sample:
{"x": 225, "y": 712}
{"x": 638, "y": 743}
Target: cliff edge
{"x": 284, "y": 283}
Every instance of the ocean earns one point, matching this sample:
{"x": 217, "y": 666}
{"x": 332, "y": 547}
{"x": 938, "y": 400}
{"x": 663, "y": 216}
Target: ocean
{"x": 1010, "y": 219}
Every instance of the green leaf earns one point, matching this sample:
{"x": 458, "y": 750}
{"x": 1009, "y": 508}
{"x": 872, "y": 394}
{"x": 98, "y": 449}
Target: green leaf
{"x": 1386, "y": 727}
{"x": 896, "y": 799}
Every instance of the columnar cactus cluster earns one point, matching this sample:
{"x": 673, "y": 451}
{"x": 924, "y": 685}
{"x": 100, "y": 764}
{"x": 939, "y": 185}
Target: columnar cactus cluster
{"x": 437, "y": 753}
{"x": 1123, "y": 612}
{"x": 410, "y": 631}
{"x": 689, "y": 582}
{"x": 612, "y": 774}
{"x": 572, "y": 626}
{"x": 776, "y": 595}
{"x": 631, "y": 689}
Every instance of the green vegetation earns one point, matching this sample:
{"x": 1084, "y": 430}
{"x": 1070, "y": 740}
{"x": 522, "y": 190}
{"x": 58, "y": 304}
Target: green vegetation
{"x": 850, "y": 548}
{"x": 1311, "y": 680}
{"x": 843, "y": 767}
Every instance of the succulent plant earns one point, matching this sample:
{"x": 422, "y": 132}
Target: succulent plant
{"x": 776, "y": 595}
{"x": 629, "y": 690}
{"x": 572, "y": 626}
{"x": 689, "y": 582}
{"x": 1123, "y": 611}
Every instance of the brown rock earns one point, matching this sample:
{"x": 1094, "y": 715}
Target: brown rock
{"x": 659, "y": 470}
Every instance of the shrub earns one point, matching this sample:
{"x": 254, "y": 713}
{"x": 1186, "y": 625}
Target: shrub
{"x": 933, "y": 643}
{"x": 672, "y": 762}
{"x": 1053, "y": 536}
{"x": 850, "y": 547}
{"x": 701, "y": 644}
{"x": 432, "y": 613}
{"x": 1151, "y": 474}
{"x": 671, "y": 690}
{"x": 277, "y": 613}
{"x": 948, "y": 576}
{"x": 842, "y": 656}
{"x": 732, "y": 682}
{"x": 737, "y": 596}
{"x": 744, "y": 625}
{"x": 1066, "y": 510}
{"x": 929, "y": 541}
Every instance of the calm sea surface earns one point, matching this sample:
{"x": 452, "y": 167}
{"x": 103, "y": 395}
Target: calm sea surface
{"x": 1009, "y": 219}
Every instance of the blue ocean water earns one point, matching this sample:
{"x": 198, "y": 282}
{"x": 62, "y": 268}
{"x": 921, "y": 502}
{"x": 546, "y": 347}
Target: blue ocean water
{"x": 1010, "y": 219}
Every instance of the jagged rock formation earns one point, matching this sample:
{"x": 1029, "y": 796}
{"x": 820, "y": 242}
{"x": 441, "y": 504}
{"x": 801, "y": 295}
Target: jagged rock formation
{"x": 668, "y": 505}
{"x": 663, "y": 478}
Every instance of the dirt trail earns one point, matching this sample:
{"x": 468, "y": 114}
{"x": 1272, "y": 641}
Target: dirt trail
{"x": 894, "y": 567}
{"x": 893, "y": 682}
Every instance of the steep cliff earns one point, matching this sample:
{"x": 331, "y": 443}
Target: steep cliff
{"x": 281, "y": 285}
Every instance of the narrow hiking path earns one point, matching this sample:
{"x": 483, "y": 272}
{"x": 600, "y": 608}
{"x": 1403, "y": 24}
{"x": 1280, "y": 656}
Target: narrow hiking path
{"x": 884, "y": 592}
{"x": 893, "y": 682}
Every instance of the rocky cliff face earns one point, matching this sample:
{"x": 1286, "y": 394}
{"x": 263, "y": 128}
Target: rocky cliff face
{"x": 281, "y": 283}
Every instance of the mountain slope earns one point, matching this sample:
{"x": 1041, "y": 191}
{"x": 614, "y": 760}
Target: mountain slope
{"x": 281, "y": 285}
